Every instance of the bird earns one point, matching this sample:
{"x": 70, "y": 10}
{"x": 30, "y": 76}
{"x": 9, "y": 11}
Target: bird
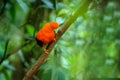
{"x": 46, "y": 34}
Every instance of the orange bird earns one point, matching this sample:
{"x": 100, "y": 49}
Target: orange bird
{"x": 46, "y": 34}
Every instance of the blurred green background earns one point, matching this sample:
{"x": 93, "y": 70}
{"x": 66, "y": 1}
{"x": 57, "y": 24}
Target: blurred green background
{"x": 88, "y": 50}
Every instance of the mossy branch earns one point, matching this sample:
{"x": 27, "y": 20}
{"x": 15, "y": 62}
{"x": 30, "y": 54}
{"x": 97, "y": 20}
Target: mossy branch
{"x": 79, "y": 12}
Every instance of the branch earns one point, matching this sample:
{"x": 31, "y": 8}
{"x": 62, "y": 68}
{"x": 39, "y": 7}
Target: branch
{"x": 79, "y": 12}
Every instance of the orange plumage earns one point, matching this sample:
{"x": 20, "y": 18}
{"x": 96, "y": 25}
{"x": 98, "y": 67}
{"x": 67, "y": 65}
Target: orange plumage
{"x": 46, "y": 34}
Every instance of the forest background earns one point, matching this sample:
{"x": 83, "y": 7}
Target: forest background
{"x": 89, "y": 49}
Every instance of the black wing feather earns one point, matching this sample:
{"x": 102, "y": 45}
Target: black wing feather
{"x": 40, "y": 43}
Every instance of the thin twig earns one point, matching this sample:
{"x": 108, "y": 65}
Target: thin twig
{"x": 22, "y": 46}
{"x": 7, "y": 55}
{"x": 81, "y": 10}
{"x": 5, "y": 50}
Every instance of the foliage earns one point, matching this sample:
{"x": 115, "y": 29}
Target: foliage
{"x": 88, "y": 50}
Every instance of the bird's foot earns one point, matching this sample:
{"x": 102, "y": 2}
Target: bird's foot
{"x": 54, "y": 39}
{"x": 45, "y": 51}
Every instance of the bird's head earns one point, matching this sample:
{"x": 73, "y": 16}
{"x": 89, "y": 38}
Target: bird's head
{"x": 53, "y": 25}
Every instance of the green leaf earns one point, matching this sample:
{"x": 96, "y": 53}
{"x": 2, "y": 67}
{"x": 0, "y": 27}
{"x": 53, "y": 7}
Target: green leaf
{"x": 30, "y": 29}
{"x": 12, "y": 12}
{"x": 54, "y": 4}
{"x": 61, "y": 76}
{"x": 47, "y": 3}
{"x": 8, "y": 66}
{"x": 6, "y": 75}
